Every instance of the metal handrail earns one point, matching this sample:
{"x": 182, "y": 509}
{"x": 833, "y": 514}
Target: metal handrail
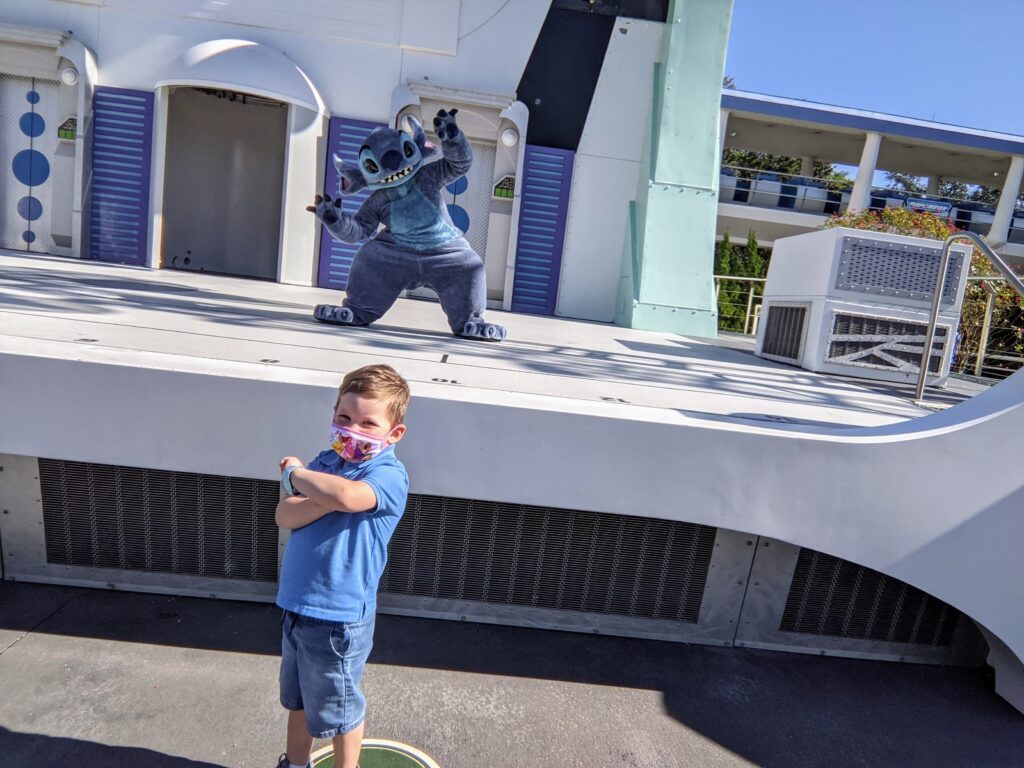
{"x": 994, "y": 258}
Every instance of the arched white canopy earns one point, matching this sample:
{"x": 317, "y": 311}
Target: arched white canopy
{"x": 246, "y": 66}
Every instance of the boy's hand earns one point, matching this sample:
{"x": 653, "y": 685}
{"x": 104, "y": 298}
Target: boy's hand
{"x": 290, "y": 461}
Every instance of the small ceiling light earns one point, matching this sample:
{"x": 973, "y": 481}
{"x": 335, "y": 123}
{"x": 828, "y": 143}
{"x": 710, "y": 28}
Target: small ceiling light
{"x": 510, "y": 137}
{"x": 732, "y": 133}
{"x": 69, "y": 75}
{"x": 995, "y": 173}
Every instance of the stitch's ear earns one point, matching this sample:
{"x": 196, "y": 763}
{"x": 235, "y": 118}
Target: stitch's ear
{"x": 412, "y": 127}
{"x": 350, "y": 180}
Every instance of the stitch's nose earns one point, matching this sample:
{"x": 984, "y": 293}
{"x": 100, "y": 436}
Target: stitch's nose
{"x": 391, "y": 160}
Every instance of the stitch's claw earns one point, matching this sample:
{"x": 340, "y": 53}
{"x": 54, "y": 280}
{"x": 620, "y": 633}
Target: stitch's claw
{"x": 478, "y": 329}
{"x": 325, "y": 209}
{"x": 444, "y": 124}
{"x": 328, "y": 313}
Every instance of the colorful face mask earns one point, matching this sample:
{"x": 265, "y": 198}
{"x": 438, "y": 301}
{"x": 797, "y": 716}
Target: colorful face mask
{"x": 356, "y": 446}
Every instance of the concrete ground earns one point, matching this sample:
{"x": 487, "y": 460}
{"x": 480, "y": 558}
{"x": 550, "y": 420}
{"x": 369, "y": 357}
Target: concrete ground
{"x": 108, "y": 679}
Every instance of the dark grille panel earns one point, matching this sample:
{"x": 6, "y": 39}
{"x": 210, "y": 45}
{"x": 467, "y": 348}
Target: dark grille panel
{"x": 868, "y": 266}
{"x": 151, "y": 520}
{"x": 784, "y": 332}
{"x": 882, "y": 332}
{"x": 830, "y": 596}
{"x": 549, "y": 558}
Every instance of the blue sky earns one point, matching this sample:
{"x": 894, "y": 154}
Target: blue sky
{"x": 953, "y": 61}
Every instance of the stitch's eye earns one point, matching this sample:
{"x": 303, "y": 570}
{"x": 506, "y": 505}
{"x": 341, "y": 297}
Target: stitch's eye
{"x": 370, "y": 166}
{"x": 408, "y": 149}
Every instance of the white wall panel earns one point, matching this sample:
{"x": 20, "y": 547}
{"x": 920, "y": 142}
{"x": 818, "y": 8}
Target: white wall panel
{"x": 620, "y": 110}
{"x": 598, "y": 205}
{"x": 82, "y": 20}
{"x": 354, "y": 79}
{"x": 432, "y": 27}
{"x": 489, "y": 57}
{"x": 606, "y": 171}
{"x": 372, "y": 21}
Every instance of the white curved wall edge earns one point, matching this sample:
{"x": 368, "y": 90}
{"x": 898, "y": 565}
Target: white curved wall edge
{"x": 243, "y": 65}
{"x": 937, "y": 502}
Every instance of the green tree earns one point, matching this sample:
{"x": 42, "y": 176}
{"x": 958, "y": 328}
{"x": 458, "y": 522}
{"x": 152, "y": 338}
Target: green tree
{"x": 751, "y": 261}
{"x": 958, "y": 190}
{"x": 756, "y": 265}
{"x": 724, "y": 256}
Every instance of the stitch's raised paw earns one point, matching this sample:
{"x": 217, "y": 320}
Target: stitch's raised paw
{"x": 445, "y": 125}
{"x": 326, "y": 210}
{"x": 328, "y": 313}
{"x": 478, "y": 329}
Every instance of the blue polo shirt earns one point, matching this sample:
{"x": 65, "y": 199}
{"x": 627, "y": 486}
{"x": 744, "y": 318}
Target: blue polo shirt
{"x": 332, "y": 566}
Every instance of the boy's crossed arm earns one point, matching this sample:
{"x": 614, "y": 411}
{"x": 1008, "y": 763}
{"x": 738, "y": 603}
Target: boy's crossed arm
{"x": 322, "y": 494}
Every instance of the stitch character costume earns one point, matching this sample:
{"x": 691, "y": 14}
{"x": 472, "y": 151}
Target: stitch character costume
{"x": 419, "y": 245}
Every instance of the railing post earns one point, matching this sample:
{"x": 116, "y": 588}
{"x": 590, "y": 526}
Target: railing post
{"x": 986, "y": 327}
{"x": 1008, "y": 274}
{"x": 750, "y": 304}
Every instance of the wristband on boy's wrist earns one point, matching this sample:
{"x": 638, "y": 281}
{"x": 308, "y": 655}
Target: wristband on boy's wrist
{"x": 286, "y": 480}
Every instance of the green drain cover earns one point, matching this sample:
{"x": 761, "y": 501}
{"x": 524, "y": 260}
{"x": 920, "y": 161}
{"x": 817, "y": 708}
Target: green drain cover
{"x": 379, "y": 753}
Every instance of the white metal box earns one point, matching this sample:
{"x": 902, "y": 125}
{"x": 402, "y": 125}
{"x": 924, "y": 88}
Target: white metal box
{"x": 857, "y": 303}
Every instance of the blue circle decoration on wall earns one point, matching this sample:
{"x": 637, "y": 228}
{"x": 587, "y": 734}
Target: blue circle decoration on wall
{"x": 31, "y": 167}
{"x": 32, "y": 125}
{"x": 28, "y": 236}
{"x": 459, "y": 217}
{"x": 32, "y": 97}
{"x": 458, "y": 186}
{"x": 29, "y": 208}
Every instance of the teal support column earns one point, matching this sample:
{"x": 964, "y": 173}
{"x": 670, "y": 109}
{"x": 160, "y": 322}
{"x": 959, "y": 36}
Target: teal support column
{"x": 667, "y": 272}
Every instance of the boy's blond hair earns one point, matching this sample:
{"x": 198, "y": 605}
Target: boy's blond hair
{"x": 381, "y": 382}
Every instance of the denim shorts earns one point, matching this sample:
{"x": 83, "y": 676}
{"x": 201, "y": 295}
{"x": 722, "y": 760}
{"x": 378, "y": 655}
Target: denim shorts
{"x": 321, "y": 667}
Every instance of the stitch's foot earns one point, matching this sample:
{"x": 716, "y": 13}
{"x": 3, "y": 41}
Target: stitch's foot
{"x": 478, "y": 329}
{"x": 328, "y": 313}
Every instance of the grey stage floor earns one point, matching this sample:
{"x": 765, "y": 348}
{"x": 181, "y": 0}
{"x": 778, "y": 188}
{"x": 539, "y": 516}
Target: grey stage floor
{"x": 70, "y": 309}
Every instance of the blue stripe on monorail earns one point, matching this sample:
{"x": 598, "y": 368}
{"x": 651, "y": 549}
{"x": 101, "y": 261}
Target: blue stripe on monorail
{"x": 821, "y": 115}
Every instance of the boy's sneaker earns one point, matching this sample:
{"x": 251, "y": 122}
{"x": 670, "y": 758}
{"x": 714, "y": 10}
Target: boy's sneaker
{"x": 282, "y": 762}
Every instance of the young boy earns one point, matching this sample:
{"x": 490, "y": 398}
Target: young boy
{"x": 342, "y": 510}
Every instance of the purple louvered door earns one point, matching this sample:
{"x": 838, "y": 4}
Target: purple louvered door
{"x": 345, "y": 136}
{"x": 122, "y": 137}
{"x": 547, "y": 177}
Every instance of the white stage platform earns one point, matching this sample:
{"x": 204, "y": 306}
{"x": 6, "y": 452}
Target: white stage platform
{"x": 180, "y": 372}
{"x": 187, "y": 321}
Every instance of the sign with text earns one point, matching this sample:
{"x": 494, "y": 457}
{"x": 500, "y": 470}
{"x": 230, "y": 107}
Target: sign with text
{"x": 938, "y": 207}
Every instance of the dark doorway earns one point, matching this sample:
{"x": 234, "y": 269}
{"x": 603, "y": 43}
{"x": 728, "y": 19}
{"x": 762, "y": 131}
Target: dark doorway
{"x": 223, "y": 183}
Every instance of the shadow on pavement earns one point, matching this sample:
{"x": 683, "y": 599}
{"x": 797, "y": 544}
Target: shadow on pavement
{"x": 774, "y": 709}
{"x": 24, "y": 749}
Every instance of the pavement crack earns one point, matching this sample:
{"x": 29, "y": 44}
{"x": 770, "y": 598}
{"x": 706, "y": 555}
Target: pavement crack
{"x": 36, "y": 626}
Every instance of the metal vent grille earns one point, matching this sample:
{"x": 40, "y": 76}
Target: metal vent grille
{"x": 549, "y": 558}
{"x": 867, "y": 266}
{"x": 784, "y": 331}
{"x": 830, "y": 596}
{"x": 475, "y": 200}
{"x": 151, "y": 520}
{"x": 883, "y": 342}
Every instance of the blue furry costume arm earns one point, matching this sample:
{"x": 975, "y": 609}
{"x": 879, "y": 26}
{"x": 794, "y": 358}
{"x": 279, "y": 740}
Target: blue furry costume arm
{"x": 344, "y": 226}
{"x": 419, "y": 245}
